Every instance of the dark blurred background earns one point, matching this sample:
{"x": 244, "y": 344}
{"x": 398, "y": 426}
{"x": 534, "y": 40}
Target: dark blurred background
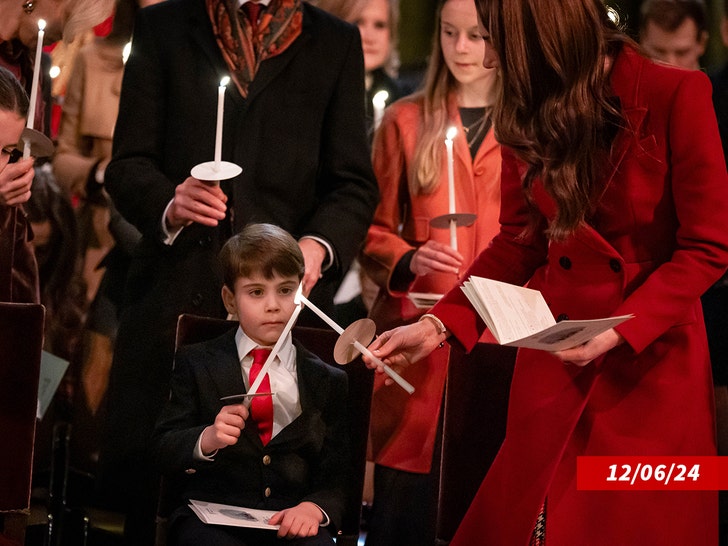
{"x": 416, "y": 27}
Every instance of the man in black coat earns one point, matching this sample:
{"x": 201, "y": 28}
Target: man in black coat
{"x": 297, "y": 129}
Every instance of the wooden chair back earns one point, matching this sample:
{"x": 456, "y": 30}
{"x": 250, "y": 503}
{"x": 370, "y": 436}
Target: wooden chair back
{"x": 21, "y": 341}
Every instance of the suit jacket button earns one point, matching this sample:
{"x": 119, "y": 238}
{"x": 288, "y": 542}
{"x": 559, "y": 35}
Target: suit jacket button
{"x": 615, "y": 265}
{"x": 267, "y": 492}
{"x": 266, "y": 460}
{"x": 565, "y": 262}
{"x": 562, "y": 316}
{"x": 190, "y": 471}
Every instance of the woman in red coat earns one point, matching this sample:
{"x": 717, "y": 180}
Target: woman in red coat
{"x": 614, "y": 192}
{"x": 404, "y": 254}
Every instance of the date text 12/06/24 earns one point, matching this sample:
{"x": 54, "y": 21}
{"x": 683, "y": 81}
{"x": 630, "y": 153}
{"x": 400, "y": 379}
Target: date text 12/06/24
{"x": 624, "y": 473}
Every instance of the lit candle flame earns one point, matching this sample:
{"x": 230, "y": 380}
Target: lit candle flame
{"x": 452, "y": 132}
{"x": 41, "y": 24}
{"x": 126, "y": 52}
{"x": 379, "y": 100}
{"x": 225, "y": 81}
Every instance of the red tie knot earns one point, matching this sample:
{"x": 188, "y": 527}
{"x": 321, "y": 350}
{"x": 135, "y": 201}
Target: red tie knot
{"x": 260, "y": 355}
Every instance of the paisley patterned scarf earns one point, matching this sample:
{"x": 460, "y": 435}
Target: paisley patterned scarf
{"x": 278, "y": 28}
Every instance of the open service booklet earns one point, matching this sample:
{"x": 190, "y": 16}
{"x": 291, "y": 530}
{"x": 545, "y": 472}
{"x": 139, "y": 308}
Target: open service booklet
{"x": 235, "y": 516}
{"x": 520, "y": 317}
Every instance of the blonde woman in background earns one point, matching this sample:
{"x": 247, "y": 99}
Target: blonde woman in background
{"x": 377, "y": 21}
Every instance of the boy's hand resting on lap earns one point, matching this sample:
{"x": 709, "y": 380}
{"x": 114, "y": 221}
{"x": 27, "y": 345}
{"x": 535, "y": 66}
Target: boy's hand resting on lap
{"x": 300, "y": 521}
{"x": 226, "y": 429}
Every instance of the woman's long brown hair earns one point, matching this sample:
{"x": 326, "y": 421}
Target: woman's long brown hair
{"x": 554, "y": 109}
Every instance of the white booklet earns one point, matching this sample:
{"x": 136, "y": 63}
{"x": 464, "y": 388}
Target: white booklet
{"x": 52, "y": 369}
{"x": 235, "y": 516}
{"x": 520, "y": 317}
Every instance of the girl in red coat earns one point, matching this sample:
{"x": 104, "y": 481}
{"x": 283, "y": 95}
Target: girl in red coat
{"x": 614, "y": 191}
{"x": 404, "y": 254}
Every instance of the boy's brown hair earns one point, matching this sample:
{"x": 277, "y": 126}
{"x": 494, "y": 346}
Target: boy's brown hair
{"x": 261, "y": 248}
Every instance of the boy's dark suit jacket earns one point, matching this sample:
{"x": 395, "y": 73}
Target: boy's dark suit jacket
{"x": 308, "y": 460}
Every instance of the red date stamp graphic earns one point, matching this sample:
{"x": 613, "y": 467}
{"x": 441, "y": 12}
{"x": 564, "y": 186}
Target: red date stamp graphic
{"x": 624, "y": 473}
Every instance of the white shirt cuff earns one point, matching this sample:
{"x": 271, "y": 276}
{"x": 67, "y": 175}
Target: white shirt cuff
{"x": 326, "y": 520}
{"x": 197, "y": 453}
{"x": 169, "y": 235}
{"x": 329, "y": 251}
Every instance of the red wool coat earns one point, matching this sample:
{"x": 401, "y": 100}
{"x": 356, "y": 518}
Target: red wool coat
{"x": 402, "y": 430}
{"x": 658, "y": 240}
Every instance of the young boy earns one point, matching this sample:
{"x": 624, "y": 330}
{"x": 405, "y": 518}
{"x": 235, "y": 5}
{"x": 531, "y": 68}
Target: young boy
{"x": 227, "y": 453}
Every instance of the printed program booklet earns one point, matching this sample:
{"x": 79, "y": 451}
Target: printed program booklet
{"x": 235, "y": 516}
{"x": 520, "y": 317}
{"x": 52, "y": 369}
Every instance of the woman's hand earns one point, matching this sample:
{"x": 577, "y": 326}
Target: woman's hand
{"x": 594, "y": 348}
{"x": 400, "y": 347}
{"x": 300, "y": 521}
{"x": 435, "y": 257}
{"x": 15, "y": 182}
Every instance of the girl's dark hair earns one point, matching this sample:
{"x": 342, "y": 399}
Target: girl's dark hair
{"x": 13, "y": 97}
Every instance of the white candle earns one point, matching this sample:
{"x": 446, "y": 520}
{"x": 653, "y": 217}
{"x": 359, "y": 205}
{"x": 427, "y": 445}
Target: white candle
{"x": 125, "y": 52}
{"x": 449, "y": 137}
{"x": 379, "y": 102}
{"x": 323, "y": 316}
{"x": 34, "y": 87}
{"x": 220, "y": 111}
{"x": 451, "y": 133}
{"x": 277, "y": 347}
{"x": 402, "y": 382}
{"x": 36, "y": 73}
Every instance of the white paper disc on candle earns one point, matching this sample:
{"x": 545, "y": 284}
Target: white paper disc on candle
{"x": 207, "y": 171}
{"x": 40, "y": 145}
{"x": 461, "y": 219}
{"x": 363, "y": 331}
